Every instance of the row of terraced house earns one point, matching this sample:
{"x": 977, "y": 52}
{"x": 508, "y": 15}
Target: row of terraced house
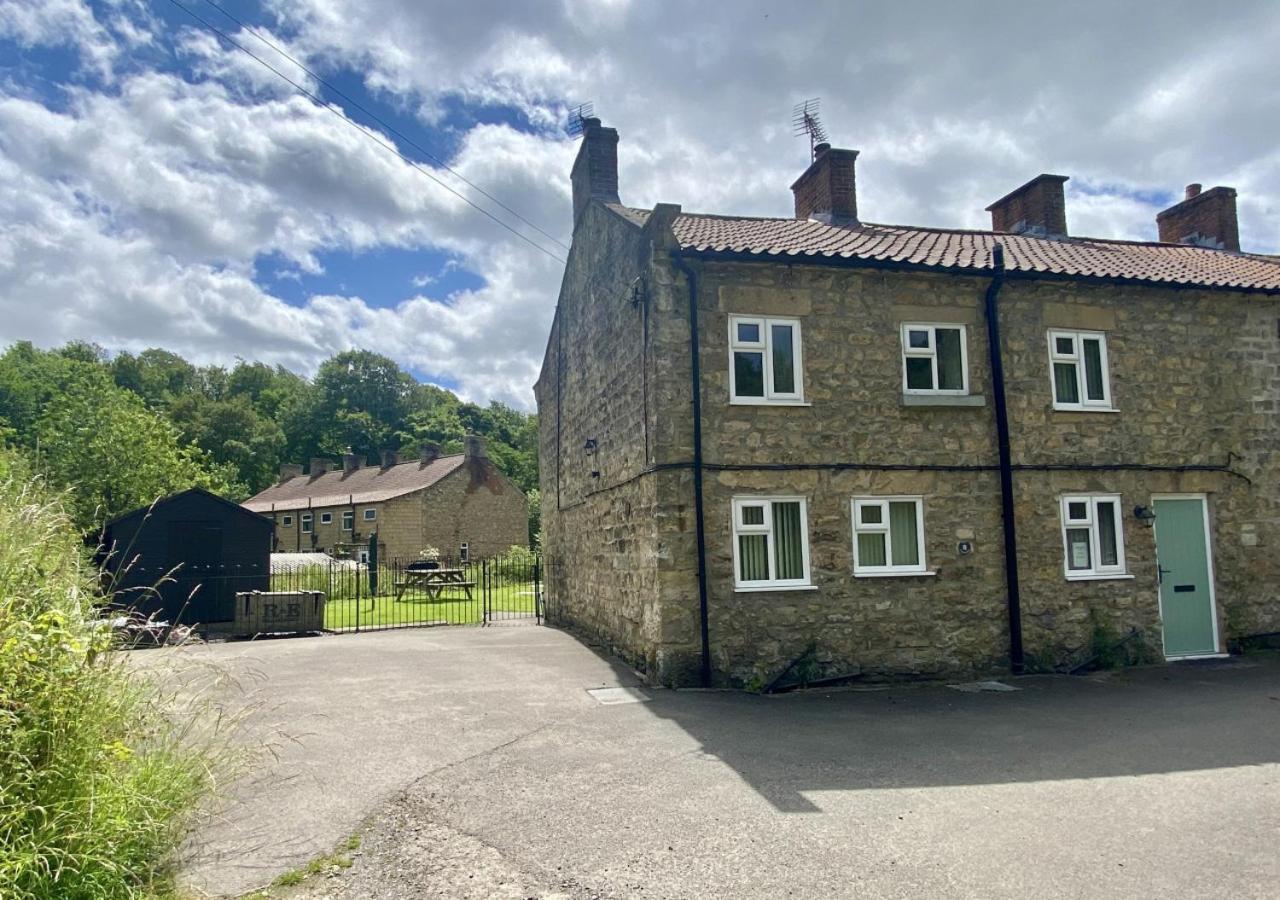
{"x": 907, "y": 451}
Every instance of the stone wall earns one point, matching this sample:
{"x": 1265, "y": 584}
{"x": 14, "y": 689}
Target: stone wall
{"x": 599, "y": 502}
{"x": 477, "y": 505}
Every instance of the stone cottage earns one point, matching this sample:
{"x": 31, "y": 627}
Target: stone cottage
{"x": 461, "y": 504}
{"x": 920, "y": 451}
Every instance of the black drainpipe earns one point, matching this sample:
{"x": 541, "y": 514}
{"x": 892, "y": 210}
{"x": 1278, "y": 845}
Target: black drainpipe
{"x": 695, "y": 380}
{"x": 1016, "y": 661}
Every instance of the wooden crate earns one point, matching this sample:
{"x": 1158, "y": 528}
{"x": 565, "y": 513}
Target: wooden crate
{"x": 279, "y": 612}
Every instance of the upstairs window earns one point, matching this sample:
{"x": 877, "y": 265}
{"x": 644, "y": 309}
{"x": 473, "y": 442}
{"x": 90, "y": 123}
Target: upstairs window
{"x": 348, "y": 520}
{"x": 888, "y": 536}
{"x": 326, "y": 518}
{"x": 1093, "y": 536}
{"x": 764, "y": 360}
{"x": 370, "y": 514}
{"x": 1078, "y": 369}
{"x": 287, "y": 521}
{"x": 306, "y": 523}
{"x": 770, "y": 543}
{"x": 934, "y": 359}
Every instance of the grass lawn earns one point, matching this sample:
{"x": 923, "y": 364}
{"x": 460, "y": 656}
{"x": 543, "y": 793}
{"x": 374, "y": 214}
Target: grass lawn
{"x": 452, "y": 608}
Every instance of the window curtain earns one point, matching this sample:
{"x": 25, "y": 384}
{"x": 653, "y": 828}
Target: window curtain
{"x": 950, "y": 371}
{"x": 1064, "y": 383}
{"x": 787, "y": 541}
{"x": 1093, "y": 369}
{"x": 753, "y": 560}
{"x": 903, "y": 536}
{"x": 871, "y": 550}
{"x": 1107, "y": 549}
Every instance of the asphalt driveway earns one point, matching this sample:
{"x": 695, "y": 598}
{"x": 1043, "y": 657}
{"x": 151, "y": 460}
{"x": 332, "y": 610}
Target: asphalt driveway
{"x": 477, "y": 764}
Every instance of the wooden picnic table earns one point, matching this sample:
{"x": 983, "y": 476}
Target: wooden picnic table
{"x": 434, "y": 582}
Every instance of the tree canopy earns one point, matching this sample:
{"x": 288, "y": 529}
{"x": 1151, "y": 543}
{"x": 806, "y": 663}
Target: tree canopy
{"x": 118, "y": 431}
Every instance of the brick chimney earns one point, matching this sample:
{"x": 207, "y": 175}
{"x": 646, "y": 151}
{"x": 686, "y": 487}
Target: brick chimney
{"x": 289, "y": 470}
{"x": 827, "y": 191}
{"x": 475, "y": 447}
{"x": 595, "y": 171}
{"x": 1037, "y": 208}
{"x": 1205, "y": 219}
{"x": 319, "y": 465}
{"x": 351, "y": 462}
{"x": 389, "y": 458}
{"x": 428, "y": 453}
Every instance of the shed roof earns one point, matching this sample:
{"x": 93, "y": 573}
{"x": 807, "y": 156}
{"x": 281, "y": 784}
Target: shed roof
{"x": 195, "y": 491}
{"x": 798, "y": 240}
{"x": 370, "y": 484}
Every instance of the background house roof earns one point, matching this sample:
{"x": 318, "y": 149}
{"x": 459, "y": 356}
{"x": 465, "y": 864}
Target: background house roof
{"x": 797, "y": 239}
{"x": 370, "y": 484}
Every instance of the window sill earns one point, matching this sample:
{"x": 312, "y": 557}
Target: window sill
{"x": 944, "y": 400}
{"x": 1115, "y": 577}
{"x": 894, "y": 574}
{"x": 1085, "y": 409}
{"x": 772, "y": 588}
{"x": 736, "y": 402}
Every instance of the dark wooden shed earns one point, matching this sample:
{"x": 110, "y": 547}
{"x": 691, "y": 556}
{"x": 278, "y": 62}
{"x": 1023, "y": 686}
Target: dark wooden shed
{"x": 183, "y": 558}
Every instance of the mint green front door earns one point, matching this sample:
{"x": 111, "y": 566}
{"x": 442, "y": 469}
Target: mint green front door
{"x": 1186, "y": 586}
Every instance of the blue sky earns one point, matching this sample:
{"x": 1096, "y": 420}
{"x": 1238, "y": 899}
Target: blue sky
{"x": 157, "y": 187}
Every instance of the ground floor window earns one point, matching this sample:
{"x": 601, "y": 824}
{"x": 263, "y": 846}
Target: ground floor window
{"x": 1092, "y": 536}
{"x": 464, "y": 552}
{"x": 770, "y": 542}
{"x": 888, "y": 535}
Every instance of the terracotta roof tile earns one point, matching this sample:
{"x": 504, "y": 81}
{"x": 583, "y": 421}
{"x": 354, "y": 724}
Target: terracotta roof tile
{"x": 971, "y": 250}
{"x": 368, "y": 485}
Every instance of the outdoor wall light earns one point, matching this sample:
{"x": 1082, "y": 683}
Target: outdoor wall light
{"x": 589, "y": 447}
{"x": 1144, "y": 515}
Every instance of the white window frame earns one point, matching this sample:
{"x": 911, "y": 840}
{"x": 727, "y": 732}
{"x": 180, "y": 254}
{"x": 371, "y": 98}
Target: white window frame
{"x": 931, "y": 353}
{"x": 882, "y": 527}
{"x": 1076, "y": 358}
{"x": 765, "y": 347}
{"x": 738, "y": 529}
{"x": 464, "y": 552}
{"x": 286, "y": 521}
{"x": 1096, "y": 570}
{"x": 326, "y": 518}
{"x": 371, "y": 514}
{"x": 348, "y": 520}
{"x": 305, "y": 522}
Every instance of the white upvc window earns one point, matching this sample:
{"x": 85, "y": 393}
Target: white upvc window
{"x": 287, "y": 521}
{"x": 464, "y": 552}
{"x": 348, "y": 520}
{"x": 888, "y": 536}
{"x": 306, "y": 523}
{"x": 765, "y": 360}
{"x": 326, "y": 518}
{"x": 935, "y": 359}
{"x": 770, "y": 543}
{"x": 370, "y": 514}
{"x": 1078, "y": 370}
{"x": 1092, "y": 536}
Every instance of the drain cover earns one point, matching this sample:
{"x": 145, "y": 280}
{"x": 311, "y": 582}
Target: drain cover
{"x": 615, "y": 695}
{"x": 976, "y": 687}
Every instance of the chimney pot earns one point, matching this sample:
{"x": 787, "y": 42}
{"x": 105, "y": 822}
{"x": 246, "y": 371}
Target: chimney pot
{"x": 1037, "y": 207}
{"x": 289, "y": 470}
{"x": 475, "y": 447}
{"x": 595, "y": 170}
{"x": 1203, "y": 219}
{"x": 827, "y": 190}
{"x": 319, "y": 465}
{"x": 819, "y": 149}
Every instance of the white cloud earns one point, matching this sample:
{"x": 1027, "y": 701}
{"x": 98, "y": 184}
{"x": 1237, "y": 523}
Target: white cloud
{"x": 133, "y": 213}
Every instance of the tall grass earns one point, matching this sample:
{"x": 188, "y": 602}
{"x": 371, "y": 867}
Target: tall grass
{"x": 98, "y": 776}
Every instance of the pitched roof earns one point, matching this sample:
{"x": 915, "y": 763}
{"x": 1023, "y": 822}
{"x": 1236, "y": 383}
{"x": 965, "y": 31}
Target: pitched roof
{"x": 969, "y": 251}
{"x": 370, "y": 484}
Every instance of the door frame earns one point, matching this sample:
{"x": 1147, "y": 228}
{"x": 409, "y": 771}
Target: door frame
{"x": 1213, "y": 589}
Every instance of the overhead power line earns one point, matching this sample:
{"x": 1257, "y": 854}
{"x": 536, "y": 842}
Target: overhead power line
{"x": 367, "y": 132}
{"x": 383, "y": 122}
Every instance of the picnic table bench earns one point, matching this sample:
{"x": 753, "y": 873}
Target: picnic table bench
{"x": 434, "y": 582}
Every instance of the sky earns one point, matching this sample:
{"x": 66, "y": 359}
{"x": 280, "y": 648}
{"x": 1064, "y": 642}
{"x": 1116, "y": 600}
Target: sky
{"x": 159, "y": 187}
